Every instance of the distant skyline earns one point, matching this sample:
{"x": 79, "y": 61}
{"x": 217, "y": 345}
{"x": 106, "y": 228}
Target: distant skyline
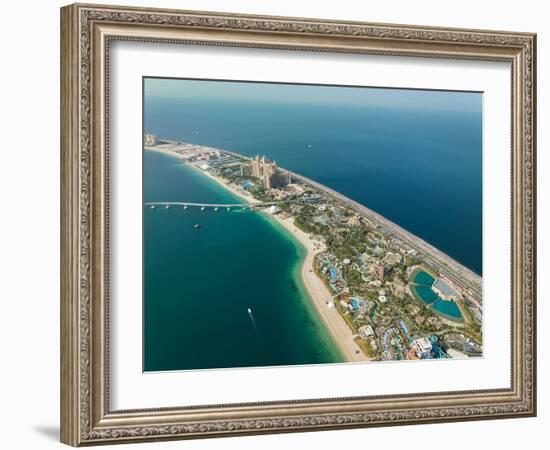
{"x": 314, "y": 94}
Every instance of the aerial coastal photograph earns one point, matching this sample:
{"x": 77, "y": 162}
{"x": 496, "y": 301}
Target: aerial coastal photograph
{"x": 295, "y": 224}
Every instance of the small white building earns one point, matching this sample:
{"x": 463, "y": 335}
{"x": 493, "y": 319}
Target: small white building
{"x": 423, "y": 347}
{"x": 366, "y": 331}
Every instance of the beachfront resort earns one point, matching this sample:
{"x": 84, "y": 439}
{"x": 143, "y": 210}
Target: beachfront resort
{"x": 383, "y": 293}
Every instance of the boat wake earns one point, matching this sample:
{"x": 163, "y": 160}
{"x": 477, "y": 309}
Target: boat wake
{"x": 251, "y": 315}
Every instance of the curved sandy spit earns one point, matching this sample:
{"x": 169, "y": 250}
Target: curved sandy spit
{"x": 320, "y": 295}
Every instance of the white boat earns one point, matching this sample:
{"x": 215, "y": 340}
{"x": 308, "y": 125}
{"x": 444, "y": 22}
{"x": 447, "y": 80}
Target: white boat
{"x": 216, "y": 209}
{"x": 203, "y": 208}
{"x": 167, "y": 206}
{"x": 153, "y": 206}
{"x": 197, "y": 225}
{"x": 229, "y": 209}
{"x": 185, "y": 207}
{"x": 249, "y": 311}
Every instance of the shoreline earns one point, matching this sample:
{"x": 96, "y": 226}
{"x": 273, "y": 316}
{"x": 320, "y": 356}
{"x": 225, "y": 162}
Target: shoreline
{"x": 317, "y": 291}
{"x": 320, "y": 295}
{"x": 337, "y": 327}
{"x": 247, "y": 198}
{"x": 392, "y": 228}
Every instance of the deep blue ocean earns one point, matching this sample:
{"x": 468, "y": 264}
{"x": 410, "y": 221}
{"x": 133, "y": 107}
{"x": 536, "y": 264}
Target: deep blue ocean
{"x": 417, "y": 161}
{"x": 420, "y": 167}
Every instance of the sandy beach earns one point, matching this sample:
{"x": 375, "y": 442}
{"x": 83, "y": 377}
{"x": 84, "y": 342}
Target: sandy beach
{"x": 320, "y": 295}
{"x": 241, "y": 193}
{"x": 165, "y": 151}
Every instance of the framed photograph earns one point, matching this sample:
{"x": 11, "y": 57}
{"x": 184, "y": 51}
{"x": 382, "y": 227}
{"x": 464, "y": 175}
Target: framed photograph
{"x": 276, "y": 224}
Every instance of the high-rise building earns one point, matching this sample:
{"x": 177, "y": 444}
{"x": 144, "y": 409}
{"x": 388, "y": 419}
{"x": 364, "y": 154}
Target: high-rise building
{"x": 267, "y": 181}
{"x": 262, "y": 166}
{"x": 246, "y": 170}
{"x": 279, "y": 178}
{"x": 150, "y": 139}
{"x": 267, "y": 170}
{"x": 255, "y": 167}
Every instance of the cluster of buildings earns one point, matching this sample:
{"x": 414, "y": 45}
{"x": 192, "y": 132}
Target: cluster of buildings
{"x": 266, "y": 170}
{"x": 463, "y": 344}
{"x": 443, "y": 288}
{"x": 367, "y": 271}
{"x": 288, "y": 192}
{"x": 383, "y": 312}
{"x": 381, "y": 309}
{"x": 205, "y": 158}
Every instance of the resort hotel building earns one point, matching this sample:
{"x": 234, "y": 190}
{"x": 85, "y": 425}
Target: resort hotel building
{"x": 150, "y": 139}
{"x": 423, "y": 348}
{"x": 267, "y": 171}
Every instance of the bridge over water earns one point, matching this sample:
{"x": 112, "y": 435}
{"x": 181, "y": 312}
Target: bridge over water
{"x": 212, "y": 205}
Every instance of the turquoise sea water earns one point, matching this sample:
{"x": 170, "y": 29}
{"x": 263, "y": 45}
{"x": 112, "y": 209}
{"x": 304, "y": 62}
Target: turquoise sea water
{"x": 423, "y": 288}
{"x": 199, "y": 283}
{"x": 411, "y": 156}
{"x": 415, "y": 157}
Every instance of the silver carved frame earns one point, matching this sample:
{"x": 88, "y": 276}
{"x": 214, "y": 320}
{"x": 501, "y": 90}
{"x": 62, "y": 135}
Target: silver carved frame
{"x": 86, "y": 32}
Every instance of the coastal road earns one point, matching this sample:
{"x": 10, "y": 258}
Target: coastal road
{"x": 452, "y": 269}
{"x": 456, "y": 272}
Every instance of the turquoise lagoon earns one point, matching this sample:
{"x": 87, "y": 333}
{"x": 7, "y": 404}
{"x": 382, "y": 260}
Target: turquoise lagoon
{"x": 413, "y": 156}
{"x": 423, "y": 288}
{"x": 199, "y": 283}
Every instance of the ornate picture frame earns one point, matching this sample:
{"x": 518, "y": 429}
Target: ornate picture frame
{"x": 87, "y": 32}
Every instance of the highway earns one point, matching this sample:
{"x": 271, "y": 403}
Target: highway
{"x": 456, "y": 272}
{"x": 460, "y": 275}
